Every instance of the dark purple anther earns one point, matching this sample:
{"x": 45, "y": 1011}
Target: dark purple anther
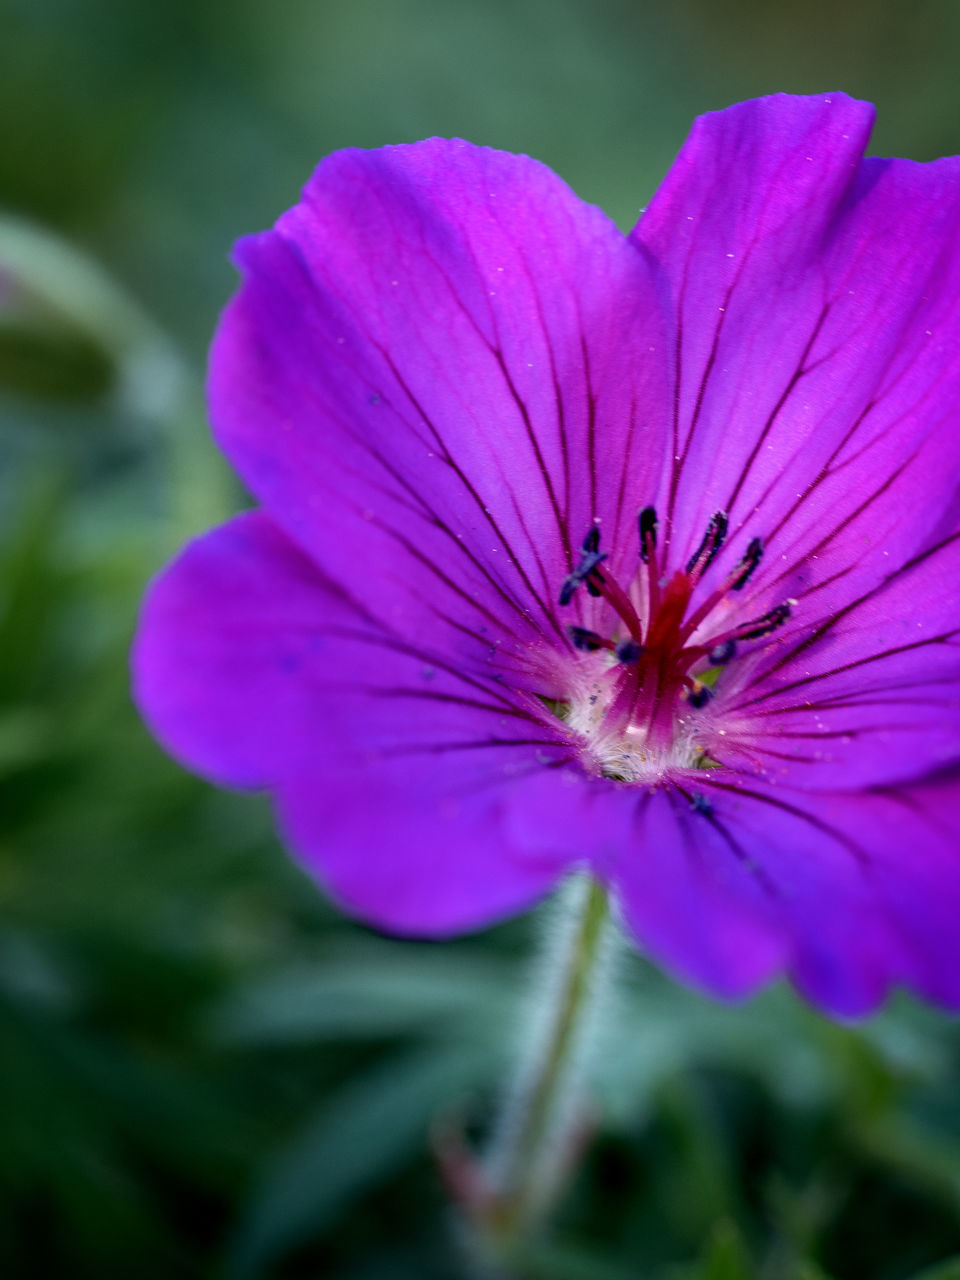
{"x": 629, "y": 651}
{"x": 703, "y": 557}
{"x": 592, "y": 559}
{"x": 763, "y": 626}
{"x": 585, "y": 640}
{"x": 647, "y": 522}
{"x": 721, "y": 653}
{"x": 744, "y": 570}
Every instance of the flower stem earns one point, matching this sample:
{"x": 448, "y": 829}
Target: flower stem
{"x": 540, "y": 1123}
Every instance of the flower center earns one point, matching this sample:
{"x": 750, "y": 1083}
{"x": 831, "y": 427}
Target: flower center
{"x": 633, "y": 713}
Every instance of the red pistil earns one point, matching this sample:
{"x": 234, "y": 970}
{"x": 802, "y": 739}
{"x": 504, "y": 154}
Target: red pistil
{"x": 665, "y": 623}
{"x": 655, "y": 663}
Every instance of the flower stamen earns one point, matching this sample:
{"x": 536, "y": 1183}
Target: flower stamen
{"x": 736, "y": 581}
{"x": 656, "y": 668}
{"x": 745, "y": 569}
{"x": 759, "y": 627}
{"x": 706, "y": 553}
{"x": 647, "y": 525}
{"x": 599, "y": 584}
{"x": 629, "y": 652}
{"x": 588, "y": 641}
{"x": 591, "y": 559}
{"x": 722, "y": 653}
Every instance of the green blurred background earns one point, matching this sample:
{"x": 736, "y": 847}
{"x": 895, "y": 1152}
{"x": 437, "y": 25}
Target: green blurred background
{"x": 206, "y": 1072}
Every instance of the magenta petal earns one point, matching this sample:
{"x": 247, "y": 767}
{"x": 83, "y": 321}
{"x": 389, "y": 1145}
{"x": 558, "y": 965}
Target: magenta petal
{"x": 727, "y": 883}
{"x": 870, "y": 696}
{"x": 392, "y": 770}
{"x": 817, "y": 342}
{"x": 252, "y": 667}
{"x": 695, "y": 910}
{"x": 441, "y": 369}
{"x": 417, "y": 847}
{"x": 219, "y": 653}
{"x": 864, "y": 887}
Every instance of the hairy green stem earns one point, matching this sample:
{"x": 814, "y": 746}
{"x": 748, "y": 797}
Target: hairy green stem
{"x": 538, "y": 1124}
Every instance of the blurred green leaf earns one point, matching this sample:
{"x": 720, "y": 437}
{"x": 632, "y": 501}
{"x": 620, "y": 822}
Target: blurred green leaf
{"x": 809, "y": 1271}
{"x": 927, "y": 1158}
{"x": 363, "y": 992}
{"x": 725, "y": 1257}
{"x": 32, "y": 586}
{"x": 564, "y": 1261}
{"x": 949, "y": 1270}
{"x": 55, "y": 297}
{"x": 357, "y": 1138}
{"x": 40, "y": 357}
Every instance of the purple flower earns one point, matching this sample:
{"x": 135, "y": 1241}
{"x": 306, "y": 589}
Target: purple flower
{"x": 636, "y": 553}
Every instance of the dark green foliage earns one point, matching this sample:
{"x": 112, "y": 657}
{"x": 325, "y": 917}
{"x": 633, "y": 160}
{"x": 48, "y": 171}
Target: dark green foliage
{"x": 205, "y": 1071}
